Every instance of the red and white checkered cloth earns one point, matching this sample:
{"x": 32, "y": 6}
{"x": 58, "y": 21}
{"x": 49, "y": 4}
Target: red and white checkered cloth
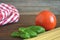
{"x": 8, "y": 14}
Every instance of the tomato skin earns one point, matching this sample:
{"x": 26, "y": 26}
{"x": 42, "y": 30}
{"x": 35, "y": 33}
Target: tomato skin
{"x": 46, "y": 19}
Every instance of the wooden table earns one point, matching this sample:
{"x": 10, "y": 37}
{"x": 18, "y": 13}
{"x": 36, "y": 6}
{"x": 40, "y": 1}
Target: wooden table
{"x": 25, "y": 20}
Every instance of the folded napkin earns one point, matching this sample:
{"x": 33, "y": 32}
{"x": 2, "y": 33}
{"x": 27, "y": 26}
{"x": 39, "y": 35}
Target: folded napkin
{"x": 8, "y": 14}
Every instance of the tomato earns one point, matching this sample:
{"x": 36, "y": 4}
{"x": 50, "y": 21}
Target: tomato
{"x": 46, "y": 19}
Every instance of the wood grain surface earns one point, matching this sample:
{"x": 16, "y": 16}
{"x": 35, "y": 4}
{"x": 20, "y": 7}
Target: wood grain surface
{"x": 25, "y": 20}
{"x": 34, "y": 5}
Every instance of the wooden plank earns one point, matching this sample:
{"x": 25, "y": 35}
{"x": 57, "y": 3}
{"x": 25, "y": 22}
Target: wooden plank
{"x": 32, "y": 2}
{"x": 35, "y": 5}
{"x": 25, "y": 20}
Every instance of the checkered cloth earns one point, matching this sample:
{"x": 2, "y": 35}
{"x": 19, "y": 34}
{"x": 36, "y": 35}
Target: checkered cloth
{"x": 8, "y": 14}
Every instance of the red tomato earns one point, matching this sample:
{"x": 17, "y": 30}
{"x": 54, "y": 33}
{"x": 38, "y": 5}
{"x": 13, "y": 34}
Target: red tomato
{"x": 46, "y": 19}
